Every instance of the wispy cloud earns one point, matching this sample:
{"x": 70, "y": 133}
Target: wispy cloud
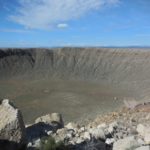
{"x": 45, "y": 14}
{"x": 15, "y": 30}
{"x": 62, "y": 25}
{"x": 6, "y": 8}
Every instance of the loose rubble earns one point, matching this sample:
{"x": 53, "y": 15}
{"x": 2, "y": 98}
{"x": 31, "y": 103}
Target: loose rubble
{"x": 127, "y": 129}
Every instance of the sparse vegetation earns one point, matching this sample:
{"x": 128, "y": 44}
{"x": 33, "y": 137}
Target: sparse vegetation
{"x": 50, "y": 144}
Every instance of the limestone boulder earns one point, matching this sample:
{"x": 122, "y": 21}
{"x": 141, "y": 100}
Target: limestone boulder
{"x": 143, "y": 148}
{"x": 97, "y": 133}
{"x": 72, "y": 125}
{"x": 54, "y": 119}
{"x": 128, "y": 143}
{"x": 61, "y": 134}
{"x": 144, "y": 131}
{"x": 12, "y": 128}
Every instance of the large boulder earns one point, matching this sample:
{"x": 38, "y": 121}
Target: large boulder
{"x": 143, "y": 148}
{"x": 12, "y": 128}
{"x": 144, "y": 131}
{"x": 44, "y": 126}
{"x": 97, "y": 133}
{"x": 128, "y": 143}
{"x": 72, "y": 125}
{"x": 61, "y": 134}
{"x": 54, "y": 119}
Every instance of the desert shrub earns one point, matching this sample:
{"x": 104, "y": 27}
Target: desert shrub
{"x": 50, "y": 144}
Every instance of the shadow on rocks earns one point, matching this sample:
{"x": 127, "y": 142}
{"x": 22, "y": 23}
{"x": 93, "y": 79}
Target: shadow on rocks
{"x": 10, "y": 145}
{"x": 38, "y": 130}
{"x": 91, "y": 145}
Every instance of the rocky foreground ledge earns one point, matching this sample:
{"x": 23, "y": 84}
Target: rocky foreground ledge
{"x": 127, "y": 129}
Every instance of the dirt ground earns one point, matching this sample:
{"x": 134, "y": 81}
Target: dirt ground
{"x": 76, "y": 101}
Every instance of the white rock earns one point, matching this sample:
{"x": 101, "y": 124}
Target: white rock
{"x": 29, "y": 144}
{"x": 148, "y": 117}
{"x": 140, "y": 141}
{"x": 49, "y": 132}
{"x": 62, "y": 131}
{"x": 110, "y": 129}
{"x": 103, "y": 126}
{"x": 147, "y": 138}
{"x": 77, "y": 135}
{"x": 141, "y": 129}
{"x": 87, "y": 136}
{"x": 69, "y": 135}
{"x": 82, "y": 129}
{"x": 112, "y": 126}
{"x": 97, "y": 133}
{"x": 144, "y": 132}
{"x": 61, "y": 134}
{"x": 79, "y": 140}
{"x": 12, "y": 128}
{"x": 28, "y": 125}
{"x": 37, "y": 143}
{"x": 109, "y": 141}
{"x": 50, "y": 119}
{"x": 143, "y": 148}
{"x": 5, "y": 103}
{"x": 127, "y": 143}
{"x": 72, "y": 142}
{"x": 72, "y": 125}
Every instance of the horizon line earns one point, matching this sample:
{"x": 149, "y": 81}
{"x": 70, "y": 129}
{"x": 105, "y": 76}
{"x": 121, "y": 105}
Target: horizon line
{"x": 132, "y": 46}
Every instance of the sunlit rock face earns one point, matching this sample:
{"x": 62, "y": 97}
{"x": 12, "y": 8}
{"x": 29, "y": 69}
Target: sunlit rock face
{"x": 12, "y": 128}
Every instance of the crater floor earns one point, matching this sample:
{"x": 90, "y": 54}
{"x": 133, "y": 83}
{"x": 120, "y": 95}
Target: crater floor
{"x": 76, "y": 100}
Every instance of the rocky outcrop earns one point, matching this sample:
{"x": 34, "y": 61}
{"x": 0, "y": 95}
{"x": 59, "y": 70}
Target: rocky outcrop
{"x": 44, "y": 126}
{"x": 128, "y": 129}
{"x": 127, "y": 143}
{"x": 54, "y": 119}
{"x": 144, "y": 132}
{"x": 12, "y": 129}
{"x": 143, "y": 148}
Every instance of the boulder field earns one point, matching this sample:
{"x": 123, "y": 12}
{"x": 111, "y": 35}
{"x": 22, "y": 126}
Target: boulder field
{"x": 126, "y": 129}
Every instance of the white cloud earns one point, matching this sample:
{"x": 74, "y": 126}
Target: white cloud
{"x": 45, "y": 14}
{"x": 62, "y": 25}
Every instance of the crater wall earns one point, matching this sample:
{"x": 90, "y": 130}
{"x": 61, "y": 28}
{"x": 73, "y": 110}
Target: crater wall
{"x": 126, "y": 67}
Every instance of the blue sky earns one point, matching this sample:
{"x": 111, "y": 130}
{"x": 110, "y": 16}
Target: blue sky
{"x": 50, "y": 23}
